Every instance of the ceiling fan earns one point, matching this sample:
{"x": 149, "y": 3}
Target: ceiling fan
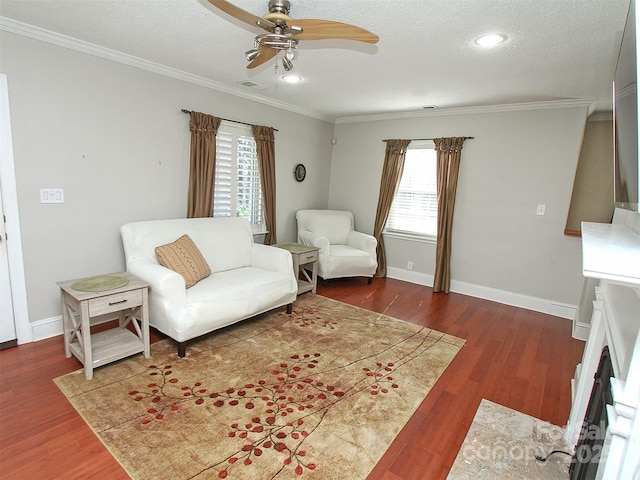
{"x": 284, "y": 32}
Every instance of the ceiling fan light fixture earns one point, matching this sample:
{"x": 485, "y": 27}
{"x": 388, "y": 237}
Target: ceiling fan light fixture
{"x": 290, "y": 54}
{"x": 491, "y": 40}
{"x": 252, "y": 54}
{"x": 286, "y": 63}
{"x": 278, "y": 41}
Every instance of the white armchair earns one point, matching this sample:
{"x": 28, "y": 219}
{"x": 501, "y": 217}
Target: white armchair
{"x": 343, "y": 251}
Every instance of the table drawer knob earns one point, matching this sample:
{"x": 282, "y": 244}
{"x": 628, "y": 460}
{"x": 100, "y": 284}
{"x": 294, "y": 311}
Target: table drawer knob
{"x": 119, "y": 302}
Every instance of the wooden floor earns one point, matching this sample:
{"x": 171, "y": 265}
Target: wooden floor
{"x": 517, "y": 358}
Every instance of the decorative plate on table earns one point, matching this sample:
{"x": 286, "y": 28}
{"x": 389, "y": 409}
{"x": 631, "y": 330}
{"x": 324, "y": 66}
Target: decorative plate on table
{"x": 100, "y": 283}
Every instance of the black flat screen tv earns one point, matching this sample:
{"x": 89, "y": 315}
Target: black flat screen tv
{"x": 625, "y": 118}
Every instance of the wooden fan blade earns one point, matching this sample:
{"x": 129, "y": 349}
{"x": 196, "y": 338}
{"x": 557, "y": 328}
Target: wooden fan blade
{"x": 241, "y": 14}
{"x": 314, "y": 29}
{"x": 266, "y": 54}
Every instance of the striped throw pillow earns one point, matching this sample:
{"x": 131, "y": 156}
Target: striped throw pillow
{"x": 183, "y": 256}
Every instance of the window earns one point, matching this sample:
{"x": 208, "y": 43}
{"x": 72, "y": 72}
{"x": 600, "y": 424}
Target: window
{"x": 415, "y": 207}
{"x": 238, "y": 191}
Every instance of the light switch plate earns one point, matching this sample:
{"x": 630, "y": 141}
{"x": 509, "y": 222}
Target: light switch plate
{"x": 51, "y": 195}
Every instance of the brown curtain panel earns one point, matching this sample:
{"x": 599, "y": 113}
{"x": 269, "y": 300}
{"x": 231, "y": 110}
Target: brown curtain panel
{"x": 202, "y": 164}
{"x": 391, "y": 175}
{"x": 449, "y": 151}
{"x": 266, "y": 148}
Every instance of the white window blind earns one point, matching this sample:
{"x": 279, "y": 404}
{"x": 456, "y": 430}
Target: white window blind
{"x": 238, "y": 191}
{"x": 415, "y": 207}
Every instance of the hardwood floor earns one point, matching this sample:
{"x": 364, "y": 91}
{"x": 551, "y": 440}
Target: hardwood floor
{"x": 517, "y": 358}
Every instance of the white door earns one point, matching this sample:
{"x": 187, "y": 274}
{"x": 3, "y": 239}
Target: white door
{"x": 7, "y": 325}
{"x": 14, "y": 318}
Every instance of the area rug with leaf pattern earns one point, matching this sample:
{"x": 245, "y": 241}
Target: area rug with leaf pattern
{"x": 318, "y": 394}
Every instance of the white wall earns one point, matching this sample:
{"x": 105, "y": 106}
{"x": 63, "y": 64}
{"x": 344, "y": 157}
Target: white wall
{"x": 114, "y": 138}
{"x": 517, "y": 160}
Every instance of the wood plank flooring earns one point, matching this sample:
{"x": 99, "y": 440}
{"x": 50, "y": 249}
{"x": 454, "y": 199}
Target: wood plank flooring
{"x": 518, "y": 358}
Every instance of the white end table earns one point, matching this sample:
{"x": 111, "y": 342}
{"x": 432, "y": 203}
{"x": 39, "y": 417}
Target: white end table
{"x": 129, "y": 301}
{"x": 303, "y": 257}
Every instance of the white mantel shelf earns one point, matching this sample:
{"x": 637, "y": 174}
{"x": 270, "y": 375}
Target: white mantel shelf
{"x": 611, "y": 252}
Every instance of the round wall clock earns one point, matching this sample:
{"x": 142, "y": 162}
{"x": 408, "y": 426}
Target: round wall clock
{"x": 299, "y": 172}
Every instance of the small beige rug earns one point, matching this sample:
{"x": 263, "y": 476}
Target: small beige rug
{"x": 318, "y": 394}
{"x": 502, "y": 445}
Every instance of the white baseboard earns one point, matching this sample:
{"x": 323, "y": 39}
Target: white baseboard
{"x": 581, "y": 331}
{"x": 46, "y": 328}
{"x": 410, "y": 276}
{"x": 547, "y": 306}
{"x": 50, "y": 327}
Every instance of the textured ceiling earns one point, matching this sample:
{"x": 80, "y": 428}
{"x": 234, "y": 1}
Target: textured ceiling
{"x": 556, "y": 49}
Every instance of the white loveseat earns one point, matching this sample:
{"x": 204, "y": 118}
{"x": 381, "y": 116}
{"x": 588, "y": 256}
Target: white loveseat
{"x": 246, "y": 278}
{"x": 343, "y": 252}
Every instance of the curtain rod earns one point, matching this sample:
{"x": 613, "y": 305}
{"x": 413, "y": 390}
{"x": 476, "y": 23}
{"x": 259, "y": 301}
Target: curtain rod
{"x": 424, "y": 139}
{"x": 184, "y": 110}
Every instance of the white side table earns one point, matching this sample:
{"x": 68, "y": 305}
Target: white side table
{"x": 303, "y": 257}
{"x": 129, "y": 301}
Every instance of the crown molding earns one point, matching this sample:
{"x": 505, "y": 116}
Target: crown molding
{"x": 64, "y": 41}
{"x": 47, "y": 36}
{"x": 601, "y": 117}
{"x": 511, "y": 107}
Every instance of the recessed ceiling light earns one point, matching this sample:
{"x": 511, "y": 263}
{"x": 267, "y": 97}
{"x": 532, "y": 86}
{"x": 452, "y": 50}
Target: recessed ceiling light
{"x": 290, "y": 78}
{"x": 491, "y": 40}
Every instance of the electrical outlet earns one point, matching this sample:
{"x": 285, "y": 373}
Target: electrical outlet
{"x": 540, "y": 210}
{"x": 409, "y": 265}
